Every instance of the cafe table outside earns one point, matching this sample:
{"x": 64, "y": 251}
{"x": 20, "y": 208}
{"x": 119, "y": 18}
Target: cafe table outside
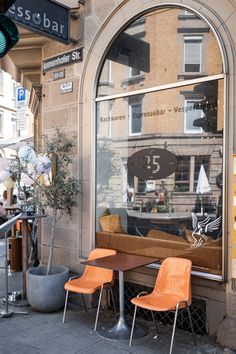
{"x": 120, "y": 262}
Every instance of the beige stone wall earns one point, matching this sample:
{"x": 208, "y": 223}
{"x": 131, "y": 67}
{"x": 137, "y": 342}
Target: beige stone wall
{"x": 75, "y": 113}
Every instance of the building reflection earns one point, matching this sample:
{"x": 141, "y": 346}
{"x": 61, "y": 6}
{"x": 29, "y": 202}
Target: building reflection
{"x": 160, "y": 98}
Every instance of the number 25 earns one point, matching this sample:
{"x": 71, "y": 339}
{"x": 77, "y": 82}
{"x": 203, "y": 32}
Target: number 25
{"x": 151, "y": 162}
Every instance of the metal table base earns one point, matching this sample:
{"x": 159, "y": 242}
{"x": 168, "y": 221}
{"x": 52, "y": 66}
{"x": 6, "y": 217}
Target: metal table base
{"x": 121, "y": 330}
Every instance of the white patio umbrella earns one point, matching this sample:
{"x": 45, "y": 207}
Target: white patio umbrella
{"x": 203, "y": 185}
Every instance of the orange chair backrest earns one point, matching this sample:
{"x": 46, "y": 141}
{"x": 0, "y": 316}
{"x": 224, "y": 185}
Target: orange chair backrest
{"x": 174, "y": 277}
{"x": 95, "y": 273}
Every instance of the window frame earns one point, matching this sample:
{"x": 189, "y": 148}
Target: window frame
{"x": 195, "y": 80}
{"x": 1, "y": 122}
{"x": 188, "y": 39}
{"x": 131, "y": 105}
{"x": 181, "y": 173}
{"x": 198, "y": 130}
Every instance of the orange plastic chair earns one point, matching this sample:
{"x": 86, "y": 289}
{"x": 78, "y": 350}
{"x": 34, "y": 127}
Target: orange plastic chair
{"x": 93, "y": 278}
{"x": 172, "y": 292}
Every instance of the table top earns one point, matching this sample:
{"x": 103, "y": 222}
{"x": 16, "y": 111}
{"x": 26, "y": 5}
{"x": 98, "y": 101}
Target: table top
{"x": 121, "y": 261}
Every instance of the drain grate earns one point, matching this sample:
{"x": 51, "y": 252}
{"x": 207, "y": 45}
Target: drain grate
{"x": 197, "y": 309}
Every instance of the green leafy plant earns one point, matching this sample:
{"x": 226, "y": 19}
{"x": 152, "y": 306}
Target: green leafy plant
{"x": 54, "y": 187}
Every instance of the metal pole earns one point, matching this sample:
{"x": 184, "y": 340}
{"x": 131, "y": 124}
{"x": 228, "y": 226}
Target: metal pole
{"x": 121, "y": 294}
{"x": 6, "y": 275}
{"x": 6, "y": 313}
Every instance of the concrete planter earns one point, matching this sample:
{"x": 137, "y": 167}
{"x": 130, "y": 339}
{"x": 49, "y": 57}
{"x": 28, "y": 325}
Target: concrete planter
{"x": 45, "y": 293}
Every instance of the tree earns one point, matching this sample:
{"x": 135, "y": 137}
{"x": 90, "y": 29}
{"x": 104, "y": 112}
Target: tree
{"x": 54, "y": 187}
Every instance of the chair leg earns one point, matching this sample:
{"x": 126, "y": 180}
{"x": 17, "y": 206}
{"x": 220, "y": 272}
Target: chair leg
{"x": 66, "y": 299}
{"x": 191, "y": 325}
{"x": 113, "y": 301}
{"x": 85, "y": 307}
{"x": 154, "y": 320}
{"x": 173, "y": 331}
{"x": 132, "y": 329}
{"x": 98, "y": 309}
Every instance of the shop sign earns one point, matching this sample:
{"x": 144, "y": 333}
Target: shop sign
{"x": 152, "y": 163}
{"x": 58, "y": 75}
{"x": 67, "y": 58}
{"x": 67, "y": 87}
{"x": 43, "y": 16}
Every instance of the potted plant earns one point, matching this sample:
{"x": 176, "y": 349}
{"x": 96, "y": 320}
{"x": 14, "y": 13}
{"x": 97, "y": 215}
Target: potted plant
{"x": 56, "y": 189}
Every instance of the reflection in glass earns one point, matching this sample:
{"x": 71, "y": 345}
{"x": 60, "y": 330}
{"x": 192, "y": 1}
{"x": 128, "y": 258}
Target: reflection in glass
{"x": 159, "y": 153}
{"x": 161, "y": 47}
{"x": 192, "y": 54}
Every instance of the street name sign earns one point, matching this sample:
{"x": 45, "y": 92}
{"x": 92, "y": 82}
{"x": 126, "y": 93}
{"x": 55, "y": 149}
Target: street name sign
{"x": 71, "y": 57}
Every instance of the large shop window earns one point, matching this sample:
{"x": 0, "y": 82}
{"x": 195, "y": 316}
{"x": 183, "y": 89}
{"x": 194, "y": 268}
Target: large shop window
{"x": 160, "y": 119}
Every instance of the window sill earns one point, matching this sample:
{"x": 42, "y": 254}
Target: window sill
{"x": 188, "y": 17}
{"x": 133, "y": 80}
{"x": 106, "y": 83}
{"x": 191, "y": 75}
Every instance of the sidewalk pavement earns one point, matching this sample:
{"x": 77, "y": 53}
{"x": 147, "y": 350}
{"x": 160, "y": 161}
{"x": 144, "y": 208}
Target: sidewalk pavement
{"x": 44, "y": 333}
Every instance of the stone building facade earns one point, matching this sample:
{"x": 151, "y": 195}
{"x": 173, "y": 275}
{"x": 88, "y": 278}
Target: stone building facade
{"x": 87, "y": 90}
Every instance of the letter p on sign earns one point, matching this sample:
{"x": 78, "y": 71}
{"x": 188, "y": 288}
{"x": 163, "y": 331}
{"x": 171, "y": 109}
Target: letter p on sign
{"x": 21, "y": 96}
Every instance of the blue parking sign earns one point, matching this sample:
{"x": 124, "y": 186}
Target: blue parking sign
{"x": 21, "y": 94}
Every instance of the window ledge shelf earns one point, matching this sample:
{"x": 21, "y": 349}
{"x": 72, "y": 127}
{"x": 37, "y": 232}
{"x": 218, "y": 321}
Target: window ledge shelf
{"x": 191, "y": 75}
{"x": 133, "y": 80}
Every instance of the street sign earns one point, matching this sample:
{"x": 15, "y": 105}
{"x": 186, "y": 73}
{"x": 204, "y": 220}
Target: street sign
{"x": 43, "y": 16}
{"x": 66, "y": 87}
{"x": 20, "y": 97}
{"x": 21, "y": 94}
{"x": 67, "y": 58}
{"x": 58, "y": 75}
{"x": 21, "y": 118}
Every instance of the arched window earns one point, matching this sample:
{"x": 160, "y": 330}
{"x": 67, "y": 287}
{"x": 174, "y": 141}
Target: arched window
{"x": 160, "y": 119}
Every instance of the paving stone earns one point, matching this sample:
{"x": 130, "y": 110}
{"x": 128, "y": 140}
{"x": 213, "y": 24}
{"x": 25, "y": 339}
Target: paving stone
{"x": 206, "y": 349}
{"x": 228, "y": 351}
{"x": 44, "y": 333}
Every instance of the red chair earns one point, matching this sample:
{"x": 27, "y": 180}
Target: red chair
{"x": 172, "y": 292}
{"x": 93, "y": 279}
